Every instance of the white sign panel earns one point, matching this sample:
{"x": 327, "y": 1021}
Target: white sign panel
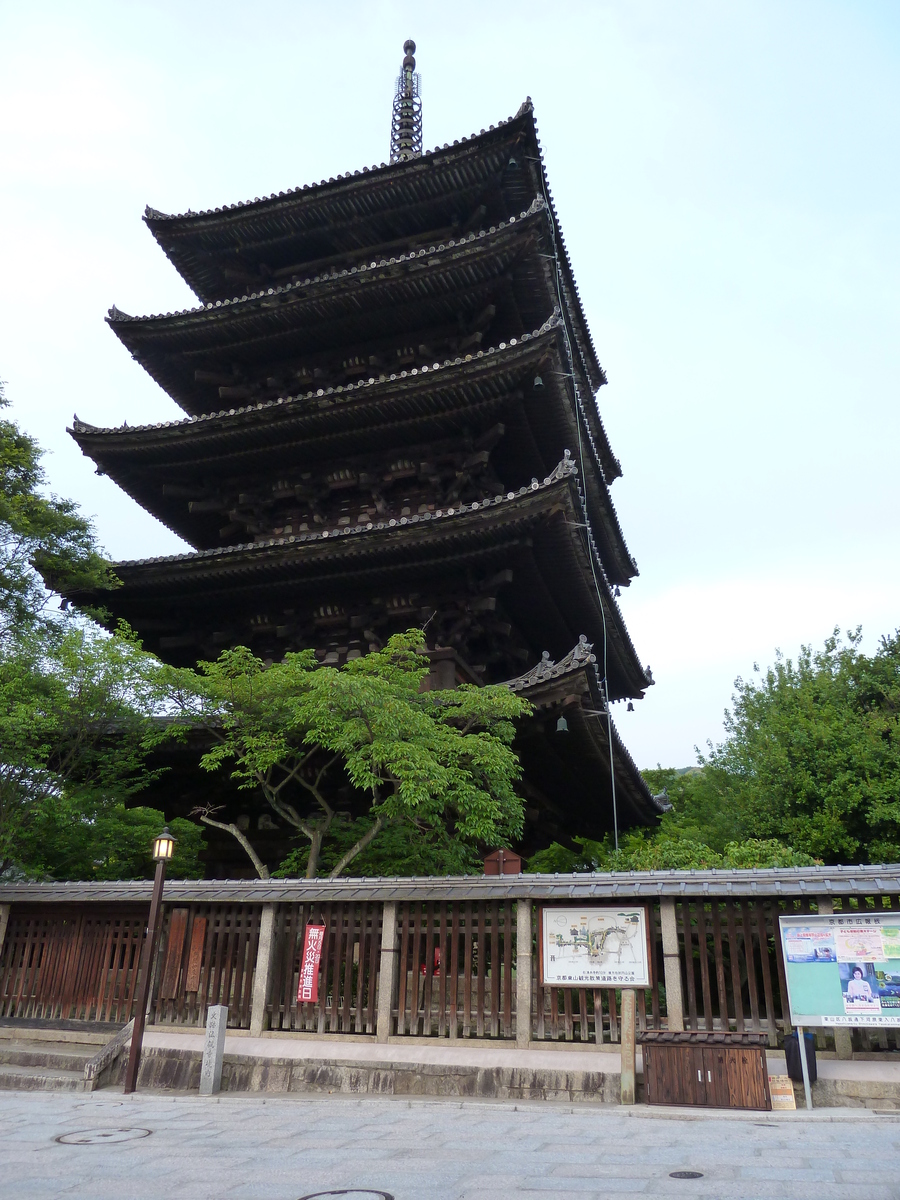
{"x": 595, "y": 946}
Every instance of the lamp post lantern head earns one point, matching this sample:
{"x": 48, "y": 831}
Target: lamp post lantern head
{"x": 163, "y": 846}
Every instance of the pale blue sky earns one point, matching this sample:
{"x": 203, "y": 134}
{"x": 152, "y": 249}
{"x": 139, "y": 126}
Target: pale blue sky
{"x": 726, "y": 176}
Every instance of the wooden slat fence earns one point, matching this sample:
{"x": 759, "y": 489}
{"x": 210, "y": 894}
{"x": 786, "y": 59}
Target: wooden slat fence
{"x": 68, "y": 963}
{"x": 348, "y": 978}
{"x": 207, "y": 956}
{"x": 456, "y": 968}
{"x": 733, "y": 974}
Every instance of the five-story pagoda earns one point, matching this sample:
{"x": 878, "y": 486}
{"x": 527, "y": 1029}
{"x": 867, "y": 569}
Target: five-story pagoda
{"x": 389, "y": 386}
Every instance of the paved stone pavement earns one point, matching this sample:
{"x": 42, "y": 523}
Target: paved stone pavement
{"x": 284, "y": 1148}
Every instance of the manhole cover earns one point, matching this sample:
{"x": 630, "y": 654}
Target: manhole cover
{"x": 94, "y": 1137}
{"x": 685, "y": 1174}
{"x": 352, "y": 1194}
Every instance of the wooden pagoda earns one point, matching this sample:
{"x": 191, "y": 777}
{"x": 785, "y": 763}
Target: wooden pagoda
{"x": 390, "y": 421}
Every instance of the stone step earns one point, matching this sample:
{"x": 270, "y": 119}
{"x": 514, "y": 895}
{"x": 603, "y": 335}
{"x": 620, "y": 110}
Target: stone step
{"x": 41, "y": 1079}
{"x": 58, "y": 1056}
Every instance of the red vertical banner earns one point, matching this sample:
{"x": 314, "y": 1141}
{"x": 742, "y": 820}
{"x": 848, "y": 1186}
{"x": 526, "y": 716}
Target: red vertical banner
{"x": 308, "y": 990}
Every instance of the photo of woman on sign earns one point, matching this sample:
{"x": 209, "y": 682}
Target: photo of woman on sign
{"x": 858, "y": 987}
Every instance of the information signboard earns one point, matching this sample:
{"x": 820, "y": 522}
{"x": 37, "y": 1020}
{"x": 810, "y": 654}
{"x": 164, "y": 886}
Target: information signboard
{"x": 843, "y": 970}
{"x": 595, "y": 946}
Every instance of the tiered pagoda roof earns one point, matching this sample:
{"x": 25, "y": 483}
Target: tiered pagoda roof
{"x": 389, "y": 386}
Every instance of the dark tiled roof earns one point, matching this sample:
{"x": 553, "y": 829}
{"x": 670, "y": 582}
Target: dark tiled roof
{"x": 546, "y": 670}
{"x": 336, "y": 183}
{"x": 117, "y": 317}
{"x": 581, "y": 658}
{"x": 619, "y": 887}
{"x": 320, "y": 410}
{"x": 362, "y": 182}
{"x": 318, "y": 398}
{"x": 461, "y": 527}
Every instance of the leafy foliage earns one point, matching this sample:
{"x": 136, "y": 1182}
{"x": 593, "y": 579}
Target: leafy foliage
{"x": 809, "y": 771}
{"x": 642, "y": 851}
{"x": 403, "y": 848}
{"x": 76, "y": 708}
{"x": 82, "y": 836}
{"x": 812, "y": 754}
{"x": 38, "y": 533}
{"x": 432, "y": 758}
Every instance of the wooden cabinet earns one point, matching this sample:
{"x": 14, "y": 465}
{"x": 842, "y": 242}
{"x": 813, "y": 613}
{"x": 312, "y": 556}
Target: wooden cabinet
{"x": 715, "y": 1070}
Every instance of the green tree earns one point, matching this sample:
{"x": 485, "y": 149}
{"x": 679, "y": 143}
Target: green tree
{"x": 84, "y": 836}
{"x": 809, "y": 772}
{"x": 38, "y": 533}
{"x": 664, "y": 850}
{"x": 405, "y": 847}
{"x": 293, "y": 729}
{"x": 76, "y": 709}
{"x": 812, "y": 753}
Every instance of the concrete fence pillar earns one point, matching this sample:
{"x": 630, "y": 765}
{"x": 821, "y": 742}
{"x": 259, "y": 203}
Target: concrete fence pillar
{"x": 843, "y": 1038}
{"x": 524, "y": 937}
{"x": 4, "y": 921}
{"x": 387, "y": 971}
{"x": 265, "y": 955}
{"x": 671, "y": 965}
{"x": 629, "y": 1030}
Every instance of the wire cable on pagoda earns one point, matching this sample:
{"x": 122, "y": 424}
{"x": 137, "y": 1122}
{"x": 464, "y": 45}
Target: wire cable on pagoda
{"x": 406, "y": 122}
{"x": 564, "y": 313}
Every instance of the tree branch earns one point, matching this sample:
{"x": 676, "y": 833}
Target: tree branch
{"x": 367, "y": 837}
{"x": 261, "y": 869}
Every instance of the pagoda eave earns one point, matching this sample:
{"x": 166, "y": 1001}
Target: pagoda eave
{"x": 576, "y": 760}
{"x": 535, "y": 531}
{"x": 377, "y": 302}
{"x": 366, "y": 201}
{"x": 152, "y": 462}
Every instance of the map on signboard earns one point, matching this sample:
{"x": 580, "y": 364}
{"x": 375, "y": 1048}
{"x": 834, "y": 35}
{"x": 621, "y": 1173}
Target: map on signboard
{"x": 595, "y": 946}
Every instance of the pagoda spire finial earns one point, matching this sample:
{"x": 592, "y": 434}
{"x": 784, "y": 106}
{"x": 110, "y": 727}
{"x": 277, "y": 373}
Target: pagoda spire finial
{"x": 406, "y": 123}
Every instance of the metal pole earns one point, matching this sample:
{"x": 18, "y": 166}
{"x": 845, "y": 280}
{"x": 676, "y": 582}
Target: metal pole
{"x": 147, "y": 956}
{"x": 804, "y": 1066}
{"x": 612, "y": 770}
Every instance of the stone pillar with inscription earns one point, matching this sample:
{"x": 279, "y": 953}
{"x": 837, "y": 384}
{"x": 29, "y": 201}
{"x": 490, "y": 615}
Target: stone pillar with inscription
{"x": 213, "y": 1049}
{"x": 264, "y": 956}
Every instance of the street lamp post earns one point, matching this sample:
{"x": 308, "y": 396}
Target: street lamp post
{"x": 163, "y": 848}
